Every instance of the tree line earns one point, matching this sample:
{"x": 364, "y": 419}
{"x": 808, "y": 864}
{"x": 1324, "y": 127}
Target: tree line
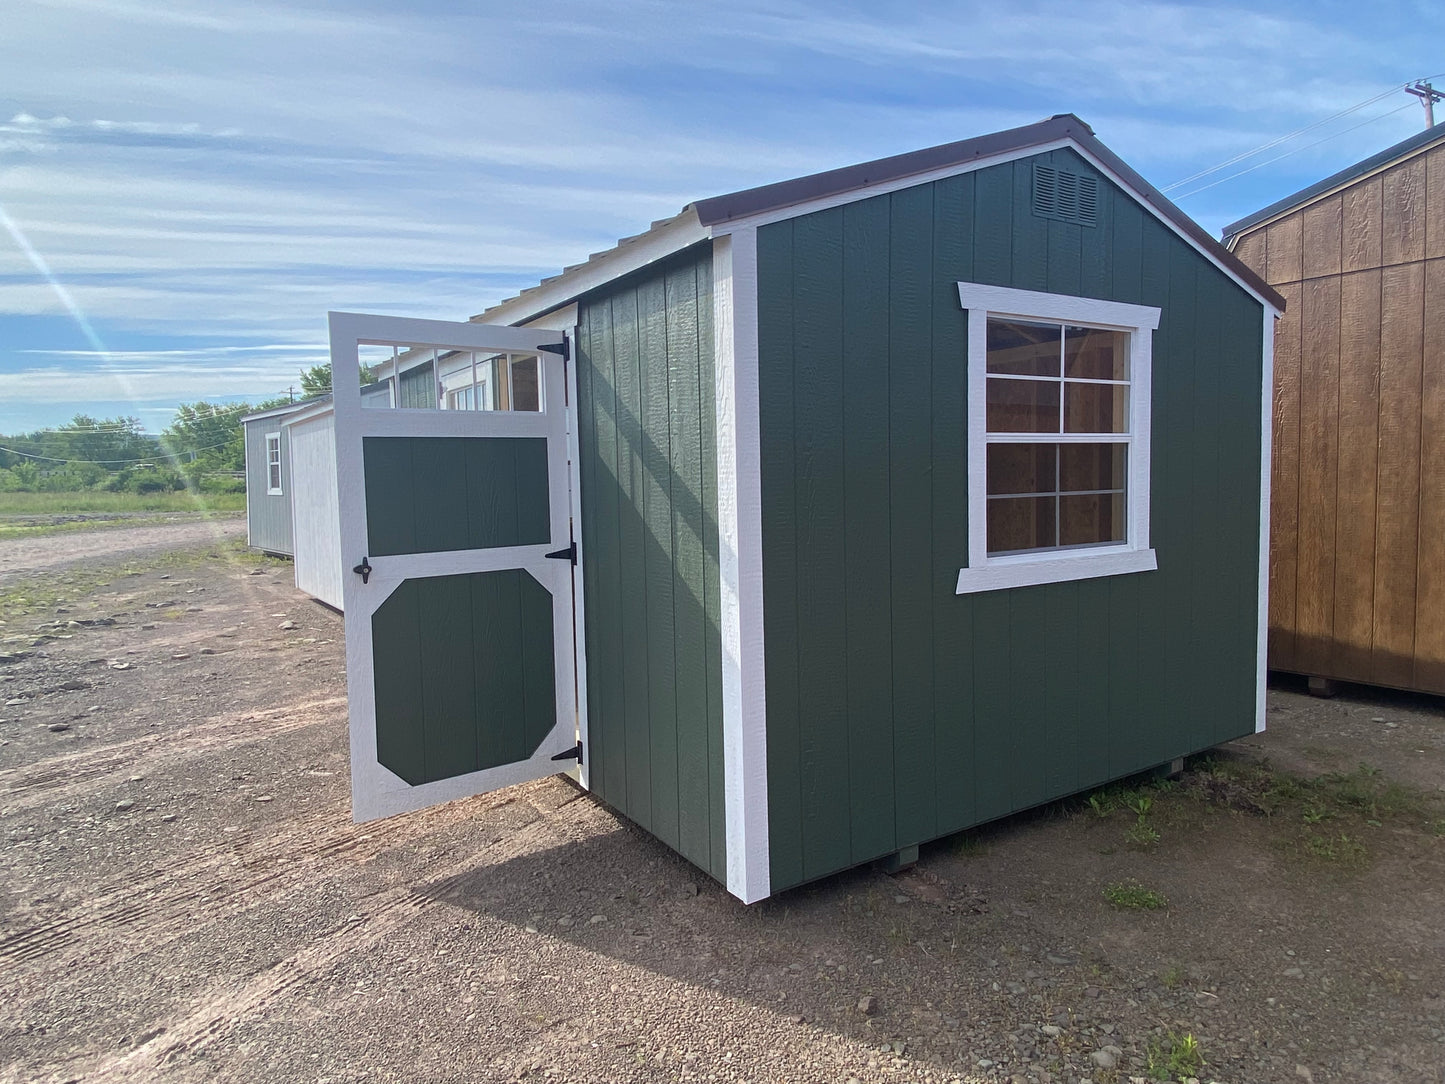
{"x": 203, "y": 447}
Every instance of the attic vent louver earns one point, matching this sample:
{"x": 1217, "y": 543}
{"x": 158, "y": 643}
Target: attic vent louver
{"x": 1068, "y": 197}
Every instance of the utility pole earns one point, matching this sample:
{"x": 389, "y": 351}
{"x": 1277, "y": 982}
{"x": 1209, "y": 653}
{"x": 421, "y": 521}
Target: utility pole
{"x": 1428, "y": 96}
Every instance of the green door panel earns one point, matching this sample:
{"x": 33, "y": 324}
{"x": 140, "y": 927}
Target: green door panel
{"x": 464, "y": 674}
{"x": 432, "y": 494}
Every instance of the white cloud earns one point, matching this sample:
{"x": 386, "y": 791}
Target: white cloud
{"x": 235, "y": 170}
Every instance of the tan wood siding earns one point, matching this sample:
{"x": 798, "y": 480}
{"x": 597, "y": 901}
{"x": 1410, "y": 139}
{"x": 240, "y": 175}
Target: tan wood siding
{"x": 1357, "y": 545}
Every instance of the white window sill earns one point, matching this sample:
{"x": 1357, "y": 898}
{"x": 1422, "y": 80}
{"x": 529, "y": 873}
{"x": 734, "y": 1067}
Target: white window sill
{"x": 274, "y": 493}
{"x": 1029, "y": 570}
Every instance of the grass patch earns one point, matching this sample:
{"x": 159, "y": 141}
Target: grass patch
{"x": 1330, "y": 816}
{"x": 16, "y": 503}
{"x": 44, "y": 592}
{"x": 101, "y": 522}
{"x": 1174, "y": 1057}
{"x": 1132, "y": 896}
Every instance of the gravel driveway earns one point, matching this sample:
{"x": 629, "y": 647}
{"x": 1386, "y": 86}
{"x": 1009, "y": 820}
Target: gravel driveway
{"x": 184, "y": 896}
{"x": 108, "y": 544}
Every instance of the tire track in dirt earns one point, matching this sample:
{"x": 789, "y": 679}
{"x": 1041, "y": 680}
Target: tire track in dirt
{"x": 173, "y": 891}
{"x": 381, "y": 915}
{"x": 53, "y": 777}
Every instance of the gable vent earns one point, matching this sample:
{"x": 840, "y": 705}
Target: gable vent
{"x": 1068, "y": 197}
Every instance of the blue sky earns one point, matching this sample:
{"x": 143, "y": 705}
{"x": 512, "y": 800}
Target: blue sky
{"x": 186, "y": 188}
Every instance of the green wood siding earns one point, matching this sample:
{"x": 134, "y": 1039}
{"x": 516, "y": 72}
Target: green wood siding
{"x": 464, "y": 674}
{"x": 899, "y": 711}
{"x": 430, "y": 494}
{"x": 648, "y": 475}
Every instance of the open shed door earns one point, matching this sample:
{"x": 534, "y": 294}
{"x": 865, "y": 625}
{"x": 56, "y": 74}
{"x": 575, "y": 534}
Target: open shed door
{"x": 461, "y": 579}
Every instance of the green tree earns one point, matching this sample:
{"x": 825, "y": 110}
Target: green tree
{"x": 108, "y": 442}
{"x": 208, "y": 436}
{"x": 317, "y": 379}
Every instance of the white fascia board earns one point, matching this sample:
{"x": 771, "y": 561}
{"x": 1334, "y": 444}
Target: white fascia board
{"x": 1266, "y": 453}
{"x": 658, "y": 243}
{"x": 318, "y": 409}
{"x": 563, "y": 319}
{"x": 274, "y": 412}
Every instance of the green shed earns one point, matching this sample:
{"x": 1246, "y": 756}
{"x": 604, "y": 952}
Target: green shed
{"x": 822, "y": 519}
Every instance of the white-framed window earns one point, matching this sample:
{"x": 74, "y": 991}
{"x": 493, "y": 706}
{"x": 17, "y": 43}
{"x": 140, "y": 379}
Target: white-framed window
{"x": 273, "y": 464}
{"x": 1058, "y": 437}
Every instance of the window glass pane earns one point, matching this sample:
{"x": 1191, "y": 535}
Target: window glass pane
{"x": 1095, "y": 408}
{"x": 1095, "y": 354}
{"x": 1091, "y": 466}
{"x": 1023, "y": 406}
{"x": 526, "y": 388}
{"x": 1021, "y": 523}
{"x": 1022, "y": 468}
{"x": 1091, "y": 520}
{"x": 1023, "y": 349}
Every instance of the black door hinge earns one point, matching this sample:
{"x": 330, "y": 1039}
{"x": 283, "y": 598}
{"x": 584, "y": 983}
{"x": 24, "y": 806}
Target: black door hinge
{"x": 575, "y": 753}
{"x": 363, "y": 570}
{"x": 562, "y": 348}
{"x": 568, "y": 554}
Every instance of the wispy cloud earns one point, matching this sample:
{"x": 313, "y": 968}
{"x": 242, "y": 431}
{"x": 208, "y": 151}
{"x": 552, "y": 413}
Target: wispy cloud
{"x": 196, "y": 171}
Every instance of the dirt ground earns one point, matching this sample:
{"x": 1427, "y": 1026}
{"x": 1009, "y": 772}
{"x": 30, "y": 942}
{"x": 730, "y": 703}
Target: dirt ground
{"x": 41, "y": 553}
{"x": 183, "y": 896}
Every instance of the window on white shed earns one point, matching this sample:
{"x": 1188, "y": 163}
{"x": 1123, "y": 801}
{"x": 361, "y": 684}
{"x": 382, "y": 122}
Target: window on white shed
{"x": 273, "y": 463}
{"x": 1058, "y": 437}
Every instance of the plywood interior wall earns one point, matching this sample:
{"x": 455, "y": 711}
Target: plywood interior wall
{"x": 1357, "y": 544}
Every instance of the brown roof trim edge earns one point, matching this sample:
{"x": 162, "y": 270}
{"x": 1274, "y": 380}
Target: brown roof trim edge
{"x": 833, "y": 182}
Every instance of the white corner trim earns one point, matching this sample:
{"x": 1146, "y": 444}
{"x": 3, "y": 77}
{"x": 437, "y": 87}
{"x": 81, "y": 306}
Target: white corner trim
{"x": 1266, "y": 453}
{"x": 1026, "y": 571}
{"x": 740, "y": 565}
{"x": 985, "y": 573}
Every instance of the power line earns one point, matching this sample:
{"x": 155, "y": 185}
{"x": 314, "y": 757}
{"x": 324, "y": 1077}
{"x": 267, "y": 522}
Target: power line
{"x": 1286, "y": 154}
{"x": 1294, "y": 135}
{"x": 112, "y": 462}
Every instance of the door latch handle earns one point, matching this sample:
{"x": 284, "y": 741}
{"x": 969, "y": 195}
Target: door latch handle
{"x": 363, "y": 570}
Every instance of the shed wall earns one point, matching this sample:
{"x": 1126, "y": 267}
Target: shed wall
{"x": 268, "y": 516}
{"x": 897, "y": 710}
{"x": 318, "y": 559}
{"x": 1357, "y": 535}
{"x": 648, "y": 477}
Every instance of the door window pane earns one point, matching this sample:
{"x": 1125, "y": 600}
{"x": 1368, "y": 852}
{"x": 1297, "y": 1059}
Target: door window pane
{"x": 526, "y": 387}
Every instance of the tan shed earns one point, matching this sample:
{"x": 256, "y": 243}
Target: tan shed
{"x": 1357, "y": 535}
